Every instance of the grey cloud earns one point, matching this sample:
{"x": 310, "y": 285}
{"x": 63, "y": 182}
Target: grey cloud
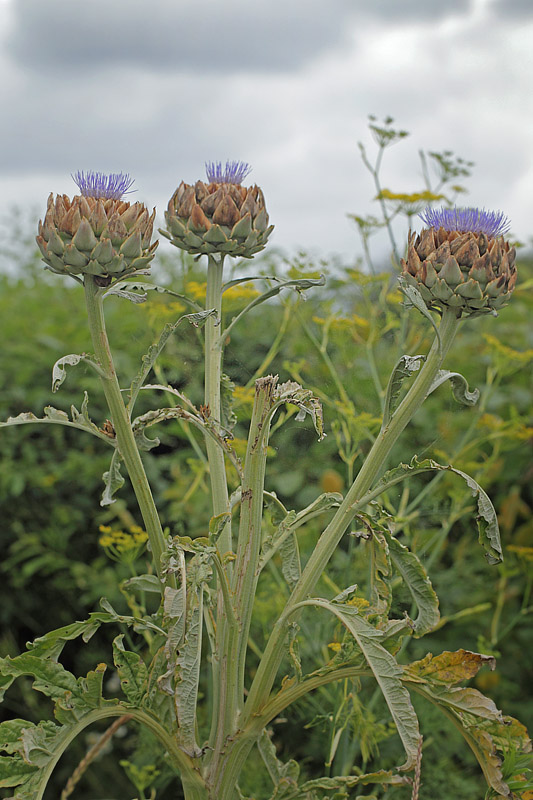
{"x": 188, "y": 35}
{"x": 198, "y": 36}
{"x": 511, "y": 9}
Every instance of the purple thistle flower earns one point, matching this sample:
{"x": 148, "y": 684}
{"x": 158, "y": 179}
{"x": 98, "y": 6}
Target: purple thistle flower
{"x": 233, "y": 172}
{"x": 465, "y": 220}
{"x": 99, "y": 185}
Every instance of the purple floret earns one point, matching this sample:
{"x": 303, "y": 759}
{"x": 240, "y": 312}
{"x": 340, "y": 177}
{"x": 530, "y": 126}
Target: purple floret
{"x": 99, "y": 185}
{"x": 232, "y": 172}
{"x": 464, "y": 220}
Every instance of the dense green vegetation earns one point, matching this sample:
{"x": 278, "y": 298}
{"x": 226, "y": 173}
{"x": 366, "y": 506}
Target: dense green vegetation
{"x": 341, "y": 341}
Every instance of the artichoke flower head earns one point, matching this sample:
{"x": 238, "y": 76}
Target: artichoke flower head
{"x": 461, "y": 260}
{"x": 219, "y": 216}
{"x": 97, "y": 232}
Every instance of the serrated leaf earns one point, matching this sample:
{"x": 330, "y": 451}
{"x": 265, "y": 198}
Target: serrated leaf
{"x": 14, "y": 771}
{"x": 386, "y": 670}
{"x": 416, "y": 579}
{"x": 56, "y": 416}
{"x": 113, "y": 480}
{"x": 380, "y": 574}
{"x": 132, "y": 671}
{"x": 460, "y": 389}
{"x": 403, "y": 369}
{"x": 50, "y": 677}
{"x": 489, "y": 532}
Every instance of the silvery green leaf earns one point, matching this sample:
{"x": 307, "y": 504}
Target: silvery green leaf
{"x": 144, "y": 583}
{"x": 403, "y": 369}
{"x": 188, "y": 676}
{"x": 290, "y": 560}
{"x": 386, "y": 670}
{"x": 299, "y": 285}
{"x": 416, "y": 579}
{"x": 488, "y": 529}
{"x": 460, "y": 389}
{"x": 113, "y": 479}
{"x": 148, "y": 360}
{"x": 56, "y": 416}
{"x": 133, "y": 297}
{"x": 277, "y": 770}
{"x": 415, "y": 299}
{"x": 143, "y": 287}
{"x": 59, "y": 373}
{"x": 132, "y": 671}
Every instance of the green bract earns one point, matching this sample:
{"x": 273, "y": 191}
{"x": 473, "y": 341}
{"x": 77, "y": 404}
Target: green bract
{"x": 218, "y": 218}
{"x": 107, "y": 238}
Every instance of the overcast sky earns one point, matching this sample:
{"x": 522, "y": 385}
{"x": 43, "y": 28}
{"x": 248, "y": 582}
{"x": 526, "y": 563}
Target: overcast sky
{"x": 157, "y": 87}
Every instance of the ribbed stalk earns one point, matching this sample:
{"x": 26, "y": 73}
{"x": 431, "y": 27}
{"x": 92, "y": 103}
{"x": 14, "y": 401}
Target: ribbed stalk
{"x": 375, "y": 463}
{"x": 121, "y": 421}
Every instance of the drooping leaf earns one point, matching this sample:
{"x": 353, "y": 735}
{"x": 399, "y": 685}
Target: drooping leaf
{"x": 279, "y": 772}
{"x": 188, "y": 675}
{"x": 489, "y": 532}
{"x": 59, "y": 373}
{"x": 386, "y": 670}
{"x": 290, "y": 560}
{"x": 460, "y": 389}
{"x": 149, "y": 359}
{"x": 131, "y": 670}
{"x": 380, "y": 573}
{"x": 416, "y": 579}
{"x": 113, "y": 480}
{"x": 299, "y": 285}
{"x": 291, "y": 392}
{"x": 228, "y": 418}
{"x": 403, "y": 370}
{"x": 123, "y": 288}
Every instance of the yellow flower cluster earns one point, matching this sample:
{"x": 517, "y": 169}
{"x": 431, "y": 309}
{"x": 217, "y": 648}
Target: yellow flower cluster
{"x": 244, "y": 396}
{"x": 196, "y": 290}
{"x": 122, "y": 545}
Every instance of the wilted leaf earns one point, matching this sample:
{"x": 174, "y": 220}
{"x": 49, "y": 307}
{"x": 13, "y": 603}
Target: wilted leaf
{"x": 460, "y": 389}
{"x": 416, "y": 579}
{"x": 386, "y": 670}
{"x": 113, "y": 479}
{"x": 403, "y": 369}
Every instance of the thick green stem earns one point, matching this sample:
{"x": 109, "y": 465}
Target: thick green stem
{"x": 121, "y": 421}
{"x": 213, "y": 371}
{"x": 219, "y": 486}
{"x": 233, "y": 658}
{"x": 375, "y": 463}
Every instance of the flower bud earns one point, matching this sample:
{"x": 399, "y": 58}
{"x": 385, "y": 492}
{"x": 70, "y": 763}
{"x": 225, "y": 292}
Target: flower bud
{"x": 97, "y": 233}
{"x": 219, "y": 216}
{"x": 462, "y": 261}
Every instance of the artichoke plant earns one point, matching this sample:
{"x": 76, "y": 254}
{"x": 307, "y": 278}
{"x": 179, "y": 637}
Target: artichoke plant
{"x": 219, "y": 216}
{"x": 462, "y": 261}
{"x": 96, "y": 232}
